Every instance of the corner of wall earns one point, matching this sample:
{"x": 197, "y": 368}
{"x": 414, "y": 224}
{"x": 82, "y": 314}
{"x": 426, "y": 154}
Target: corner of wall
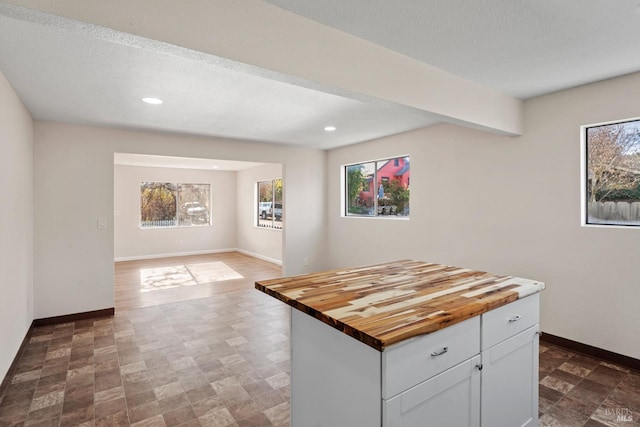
{"x": 17, "y": 240}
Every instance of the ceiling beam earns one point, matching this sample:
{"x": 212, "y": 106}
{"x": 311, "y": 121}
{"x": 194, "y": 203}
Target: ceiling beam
{"x": 264, "y": 36}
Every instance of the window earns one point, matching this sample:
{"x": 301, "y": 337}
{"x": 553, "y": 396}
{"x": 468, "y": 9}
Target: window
{"x": 168, "y": 204}
{"x": 611, "y": 182}
{"x": 377, "y": 188}
{"x": 270, "y": 208}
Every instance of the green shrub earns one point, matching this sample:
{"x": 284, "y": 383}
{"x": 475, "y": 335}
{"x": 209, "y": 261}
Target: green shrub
{"x": 618, "y": 195}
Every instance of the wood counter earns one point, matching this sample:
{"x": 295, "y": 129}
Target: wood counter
{"x": 384, "y": 304}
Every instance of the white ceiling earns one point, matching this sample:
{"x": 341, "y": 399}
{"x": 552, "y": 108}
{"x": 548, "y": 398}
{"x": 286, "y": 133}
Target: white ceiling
{"x": 524, "y": 48}
{"x": 69, "y": 71}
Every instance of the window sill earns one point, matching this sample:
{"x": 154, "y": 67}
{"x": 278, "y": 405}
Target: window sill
{"x": 175, "y": 227}
{"x": 381, "y": 217}
{"x": 618, "y": 226}
{"x": 267, "y": 228}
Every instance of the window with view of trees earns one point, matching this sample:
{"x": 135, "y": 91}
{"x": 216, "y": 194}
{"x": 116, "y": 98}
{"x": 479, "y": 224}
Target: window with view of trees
{"x": 270, "y": 208}
{"x": 378, "y": 188}
{"x": 168, "y": 204}
{"x": 612, "y": 181}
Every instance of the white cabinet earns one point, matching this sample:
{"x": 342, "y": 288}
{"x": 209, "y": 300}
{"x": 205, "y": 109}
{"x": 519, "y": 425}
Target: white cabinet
{"x": 479, "y": 372}
{"x": 509, "y": 396}
{"x": 450, "y": 399}
{"x": 434, "y": 380}
{"x": 335, "y": 379}
{"x": 510, "y": 382}
{"x": 509, "y": 320}
{"x": 410, "y": 362}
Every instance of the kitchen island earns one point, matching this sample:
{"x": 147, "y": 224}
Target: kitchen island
{"x": 410, "y": 343}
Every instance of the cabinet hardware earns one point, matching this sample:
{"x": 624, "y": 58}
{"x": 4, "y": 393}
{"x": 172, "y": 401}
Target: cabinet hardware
{"x": 479, "y": 366}
{"x": 515, "y": 318}
{"x": 441, "y": 352}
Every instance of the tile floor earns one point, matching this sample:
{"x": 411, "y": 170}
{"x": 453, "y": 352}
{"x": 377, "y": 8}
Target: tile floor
{"x": 581, "y": 391}
{"x": 223, "y": 360}
{"x": 216, "y": 361}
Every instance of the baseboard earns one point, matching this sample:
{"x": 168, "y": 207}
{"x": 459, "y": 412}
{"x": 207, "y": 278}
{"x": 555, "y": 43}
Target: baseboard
{"x": 606, "y": 355}
{"x": 215, "y": 251}
{"x": 154, "y": 256}
{"x": 14, "y": 365}
{"x": 262, "y": 257}
{"x": 106, "y": 312}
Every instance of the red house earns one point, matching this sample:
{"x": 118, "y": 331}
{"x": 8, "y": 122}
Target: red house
{"x": 390, "y": 170}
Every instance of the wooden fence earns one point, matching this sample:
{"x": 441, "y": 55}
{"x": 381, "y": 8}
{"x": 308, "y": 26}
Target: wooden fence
{"x": 615, "y": 211}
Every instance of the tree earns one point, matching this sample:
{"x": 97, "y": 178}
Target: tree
{"x": 266, "y": 191}
{"x": 355, "y": 181}
{"x": 158, "y": 201}
{"x": 277, "y": 189}
{"x": 398, "y": 194}
{"x": 612, "y": 159}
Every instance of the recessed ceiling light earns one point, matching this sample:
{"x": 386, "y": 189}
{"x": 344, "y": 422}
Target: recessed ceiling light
{"x": 154, "y": 101}
{"x": 330, "y": 128}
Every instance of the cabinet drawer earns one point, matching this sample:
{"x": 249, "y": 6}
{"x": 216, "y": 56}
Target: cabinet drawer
{"x": 509, "y": 320}
{"x": 411, "y": 362}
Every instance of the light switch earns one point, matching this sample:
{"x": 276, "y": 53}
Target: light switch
{"x": 102, "y": 223}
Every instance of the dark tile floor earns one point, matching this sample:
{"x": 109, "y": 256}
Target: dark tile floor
{"x": 217, "y": 361}
{"x": 224, "y": 361}
{"x": 581, "y": 391}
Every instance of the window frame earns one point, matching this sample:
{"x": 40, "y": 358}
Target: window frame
{"x": 256, "y": 211}
{"x": 178, "y": 203}
{"x": 344, "y": 181}
{"x": 584, "y": 177}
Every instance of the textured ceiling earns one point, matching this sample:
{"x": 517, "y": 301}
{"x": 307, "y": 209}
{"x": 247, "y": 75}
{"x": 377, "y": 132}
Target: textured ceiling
{"x": 67, "y": 71}
{"x": 524, "y": 48}
{"x": 71, "y": 71}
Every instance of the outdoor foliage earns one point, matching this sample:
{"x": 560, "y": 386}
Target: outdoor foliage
{"x": 613, "y": 161}
{"x": 270, "y": 190}
{"x": 378, "y": 188}
{"x": 158, "y": 201}
{"x": 355, "y": 184}
{"x": 265, "y": 188}
{"x": 398, "y": 194}
{"x": 622, "y": 194}
{"x": 165, "y": 204}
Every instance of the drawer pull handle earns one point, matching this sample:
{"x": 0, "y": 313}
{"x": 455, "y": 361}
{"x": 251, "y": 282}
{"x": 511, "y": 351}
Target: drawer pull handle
{"x": 441, "y": 352}
{"x": 515, "y": 318}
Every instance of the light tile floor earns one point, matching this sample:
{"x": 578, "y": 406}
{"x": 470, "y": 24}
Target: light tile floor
{"x": 224, "y": 361}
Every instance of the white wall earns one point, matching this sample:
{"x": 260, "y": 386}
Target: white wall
{"x": 16, "y": 224}
{"x": 74, "y": 259}
{"x": 265, "y": 243}
{"x": 132, "y": 242}
{"x": 511, "y": 206}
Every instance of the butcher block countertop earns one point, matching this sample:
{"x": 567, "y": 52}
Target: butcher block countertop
{"x": 384, "y": 304}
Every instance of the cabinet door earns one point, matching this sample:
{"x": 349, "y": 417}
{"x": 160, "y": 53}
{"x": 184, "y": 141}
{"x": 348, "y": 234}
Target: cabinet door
{"x": 449, "y": 399}
{"x": 509, "y": 395}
